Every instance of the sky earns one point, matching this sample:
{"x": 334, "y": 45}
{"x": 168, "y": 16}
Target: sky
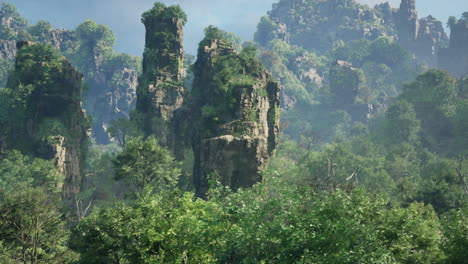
{"x": 237, "y": 16}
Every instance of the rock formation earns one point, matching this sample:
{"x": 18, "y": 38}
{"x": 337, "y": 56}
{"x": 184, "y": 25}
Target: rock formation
{"x": 52, "y": 124}
{"x": 236, "y": 116}
{"x": 316, "y": 25}
{"x": 160, "y": 91}
{"x": 111, "y": 95}
{"x": 407, "y": 22}
{"x": 424, "y": 37}
{"x": 61, "y": 39}
{"x": 454, "y": 59}
{"x": 111, "y": 88}
{"x": 7, "y": 49}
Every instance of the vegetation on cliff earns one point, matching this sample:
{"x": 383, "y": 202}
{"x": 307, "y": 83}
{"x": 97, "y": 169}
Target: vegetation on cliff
{"x": 368, "y": 164}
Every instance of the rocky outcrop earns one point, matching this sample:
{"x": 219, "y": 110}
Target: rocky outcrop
{"x": 112, "y": 95}
{"x": 407, "y": 22}
{"x": 454, "y": 59}
{"x": 161, "y": 91}
{"x": 235, "y": 133}
{"x": 61, "y": 39}
{"x": 54, "y": 126}
{"x": 68, "y": 149}
{"x": 7, "y": 49}
{"x": 317, "y": 24}
{"x": 431, "y": 38}
{"x": 424, "y": 37}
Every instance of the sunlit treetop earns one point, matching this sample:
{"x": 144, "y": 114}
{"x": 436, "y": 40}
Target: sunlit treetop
{"x": 165, "y": 12}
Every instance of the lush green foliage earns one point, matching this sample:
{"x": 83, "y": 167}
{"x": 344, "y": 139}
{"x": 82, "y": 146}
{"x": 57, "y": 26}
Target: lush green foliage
{"x": 316, "y": 25}
{"x": 391, "y": 191}
{"x": 17, "y": 170}
{"x": 32, "y": 228}
{"x": 271, "y": 223}
{"x": 229, "y": 73}
{"x": 39, "y": 97}
{"x": 430, "y": 111}
{"x": 385, "y": 64}
{"x": 41, "y": 30}
{"x": 146, "y": 165}
{"x": 15, "y": 25}
{"x": 94, "y": 40}
{"x": 162, "y": 11}
{"x": 212, "y": 32}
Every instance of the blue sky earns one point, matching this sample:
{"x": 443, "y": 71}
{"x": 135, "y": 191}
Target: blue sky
{"x": 237, "y": 16}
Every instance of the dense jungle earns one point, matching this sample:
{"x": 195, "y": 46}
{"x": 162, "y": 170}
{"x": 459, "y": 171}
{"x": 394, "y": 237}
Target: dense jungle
{"x": 338, "y": 134}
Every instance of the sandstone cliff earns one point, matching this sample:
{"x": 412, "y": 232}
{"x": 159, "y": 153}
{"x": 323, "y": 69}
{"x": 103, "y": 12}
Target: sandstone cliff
{"x": 236, "y": 116}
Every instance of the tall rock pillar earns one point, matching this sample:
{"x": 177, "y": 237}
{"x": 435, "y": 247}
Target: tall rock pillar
{"x": 454, "y": 59}
{"x": 51, "y": 123}
{"x": 236, "y": 116}
{"x": 160, "y": 91}
{"x": 407, "y": 23}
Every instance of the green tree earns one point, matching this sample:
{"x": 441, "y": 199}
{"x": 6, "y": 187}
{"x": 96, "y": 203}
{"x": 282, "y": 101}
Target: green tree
{"x": 212, "y": 32}
{"x": 15, "y": 25}
{"x": 452, "y": 21}
{"x": 163, "y": 228}
{"x": 165, "y": 12}
{"x": 402, "y": 124}
{"x": 145, "y": 164}
{"x": 441, "y": 186}
{"x": 266, "y": 31}
{"x": 121, "y": 129}
{"x": 455, "y": 228}
{"x": 32, "y": 229}
{"x": 41, "y": 30}
{"x": 95, "y": 43}
{"x": 413, "y": 234}
{"x": 17, "y": 169}
{"x": 434, "y": 95}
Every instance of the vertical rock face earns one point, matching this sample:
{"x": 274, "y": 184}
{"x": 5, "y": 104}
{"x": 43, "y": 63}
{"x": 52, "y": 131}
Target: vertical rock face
{"x": 160, "y": 91}
{"x": 423, "y": 37}
{"x": 407, "y": 22}
{"x": 161, "y": 88}
{"x": 52, "y": 123}
{"x": 69, "y": 149}
{"x": 112, "y": 95}
{"x": 7, "y": 49}
{"x": 236, "y": 117}
{"x": 431, "y": 37}
{"x": 61, "y": 39}
{"x": 454, "y": 59}
{"x": 316, "y": 24}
